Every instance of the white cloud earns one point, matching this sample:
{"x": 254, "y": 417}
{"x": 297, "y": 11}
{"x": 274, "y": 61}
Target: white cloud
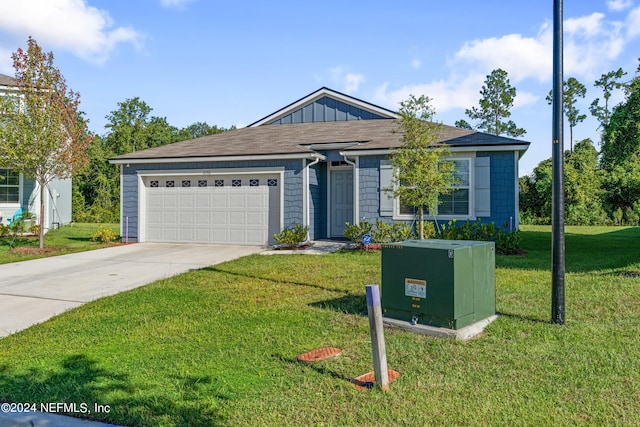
{"x": 619, "y": 5}
{"x": 348, "y": 82}
{"x": 633, "y": 23}
{"x": 521, "y": 57}
{"x": 591, "y": 44}
{"x": 175, "y": 4}
{"x": 72, "y": 25}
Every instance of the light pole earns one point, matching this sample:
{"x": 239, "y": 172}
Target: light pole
{"x": 557, "y": 221}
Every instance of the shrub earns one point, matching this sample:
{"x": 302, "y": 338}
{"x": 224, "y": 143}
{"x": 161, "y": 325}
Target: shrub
{"x": 4, "y": 230}
{"x": 292, "y": 236}
{"x": 35, "y": 229}
{"x": 354, "y": 232}
{"x": 384, "y": 232}
{"x": 104, "y": 235}
{"x": 507, "y": 242}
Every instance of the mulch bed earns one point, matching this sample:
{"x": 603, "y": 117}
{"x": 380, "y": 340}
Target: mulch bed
{"x": 27, "y": 250}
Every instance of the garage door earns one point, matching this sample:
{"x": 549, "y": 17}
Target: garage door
{"x": 242, "y": 209}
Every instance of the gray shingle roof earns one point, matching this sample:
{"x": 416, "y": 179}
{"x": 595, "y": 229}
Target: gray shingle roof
{"x": 297, "y": 138}
{"x": 7, "y": 81}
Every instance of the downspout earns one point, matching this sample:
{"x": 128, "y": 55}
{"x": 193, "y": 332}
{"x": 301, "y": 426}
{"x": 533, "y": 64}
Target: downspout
{"x": 308, "y": 191}
{"x": 356, "y": 188}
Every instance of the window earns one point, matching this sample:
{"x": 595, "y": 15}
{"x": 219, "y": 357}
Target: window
{"x": 456, "y": 203}
{"x": 9, "y": 186}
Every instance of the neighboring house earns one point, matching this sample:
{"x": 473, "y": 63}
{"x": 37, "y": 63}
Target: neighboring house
{"x": 17, "y": 192}
{"x": 321, "y": 161}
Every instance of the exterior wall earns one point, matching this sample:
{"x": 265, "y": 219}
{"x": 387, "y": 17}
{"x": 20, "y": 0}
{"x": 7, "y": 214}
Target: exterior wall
{"x": 318, "y": 202}
{"x": 503, "y": 176}
{"x": 292, "y": 187}
{"x": 326, "y": 109}
{"x": 369, "y": 200}
{"x": 503, "y": 197}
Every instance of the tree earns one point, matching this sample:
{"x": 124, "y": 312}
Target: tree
{"x": 572, "y": 90}
{"x": 621, "y": 137}
{"x": 495, "y": 105}
{"x": 463, "y": 124}
{"x": 421, "y": 173}
{"x": 42, "y": 134}
{"x": 200, "y": 129}
{"x": 608, "y": 82}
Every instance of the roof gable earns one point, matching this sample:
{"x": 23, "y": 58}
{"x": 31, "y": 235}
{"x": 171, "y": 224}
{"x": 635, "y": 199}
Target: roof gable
{"x": 326, "y": 105}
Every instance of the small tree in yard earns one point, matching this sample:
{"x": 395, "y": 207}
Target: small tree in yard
{"x": 42, "y": 134}
{"x": 420, "y": 172}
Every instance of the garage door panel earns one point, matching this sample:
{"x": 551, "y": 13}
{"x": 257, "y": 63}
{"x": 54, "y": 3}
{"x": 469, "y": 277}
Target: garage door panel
{"x": 225, "y": 209}
{"x": 203, "y": 218}
{"x": 203, "y": 200}
{"x": 255, "y": 218}
{"x": 187, "y": 201}
{"x": 237, "y": 201}
{"x": 170, "y": 217}
{"x": 170, "y": 201}
{"x": 237, "y": 218}
{"x": 220, "y": 201}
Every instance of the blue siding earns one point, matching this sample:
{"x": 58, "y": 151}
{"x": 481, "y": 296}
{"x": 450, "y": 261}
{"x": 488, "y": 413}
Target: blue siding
{"x": 327, "y": 109}
{"x": 292, "y": 190}
{"x": 370, "y": 188}
{"x": 503, "y": 184}
{"x": 317, "y": 205}
{"x": 503, "y": 179}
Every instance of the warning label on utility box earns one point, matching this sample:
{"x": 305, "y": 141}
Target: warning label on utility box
{"x": 415, "y": 288}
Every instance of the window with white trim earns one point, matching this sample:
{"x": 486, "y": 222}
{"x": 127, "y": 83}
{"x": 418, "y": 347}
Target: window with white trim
{"x": 455, "y": 204}
{"x": 9, "y": 186}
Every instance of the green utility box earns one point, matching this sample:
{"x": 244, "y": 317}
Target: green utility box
{"x": 442, "y": 283}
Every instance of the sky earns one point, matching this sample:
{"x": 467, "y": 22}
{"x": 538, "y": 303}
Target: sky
{"x": 233, "y": 62}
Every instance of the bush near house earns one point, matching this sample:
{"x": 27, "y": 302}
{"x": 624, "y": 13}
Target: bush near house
{"x": 507, "y": 242}
{"x": 292, "y": 236}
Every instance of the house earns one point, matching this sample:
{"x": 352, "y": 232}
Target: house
{"x": 20, "y": 192}
{"x": 321, "y": 161}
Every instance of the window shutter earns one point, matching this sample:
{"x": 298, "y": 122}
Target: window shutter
{"x": 386, "y": 199}
{"x": 483, "y": 186}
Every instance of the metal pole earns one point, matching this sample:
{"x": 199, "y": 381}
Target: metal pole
{"x": 557, "y": 155}
{"x": 374, "y": 309}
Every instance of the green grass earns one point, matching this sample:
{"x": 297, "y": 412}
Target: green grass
{"x": 217, "y": 346}
{"x": 65, "y": 240}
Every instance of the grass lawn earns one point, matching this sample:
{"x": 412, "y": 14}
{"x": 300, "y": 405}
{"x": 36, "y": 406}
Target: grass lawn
{"x": 65, "y": 240}
{"x": 218, "y": 346}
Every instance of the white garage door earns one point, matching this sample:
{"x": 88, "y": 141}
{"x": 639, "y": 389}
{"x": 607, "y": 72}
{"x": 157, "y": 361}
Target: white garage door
{"x": 242, "y": 209}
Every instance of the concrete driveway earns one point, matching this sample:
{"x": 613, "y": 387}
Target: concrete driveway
{"x": 34, "y": 291}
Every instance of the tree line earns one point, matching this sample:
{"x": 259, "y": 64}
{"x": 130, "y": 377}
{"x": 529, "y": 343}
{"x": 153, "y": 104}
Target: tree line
{"x": 131, "y": 127}
{"x": 601, "y": 187}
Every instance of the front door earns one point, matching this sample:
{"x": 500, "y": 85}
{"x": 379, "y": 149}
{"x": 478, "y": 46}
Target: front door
{"x": 341, "y": 206}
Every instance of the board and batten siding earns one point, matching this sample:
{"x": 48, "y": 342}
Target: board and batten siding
{"x": 326, "y": 109}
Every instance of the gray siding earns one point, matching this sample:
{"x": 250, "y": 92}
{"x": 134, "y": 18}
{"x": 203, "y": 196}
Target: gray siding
{"x": 326, "y": 109}
{"x": 292, "y": 190}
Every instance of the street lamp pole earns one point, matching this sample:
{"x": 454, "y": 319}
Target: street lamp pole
{"x": 557, "y": 221}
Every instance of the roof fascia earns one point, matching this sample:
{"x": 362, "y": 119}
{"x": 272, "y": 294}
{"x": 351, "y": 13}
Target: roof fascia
{"x": 520, "y": 148}
{"x": 164, "y": 160}
{"x": 324, "y": 91}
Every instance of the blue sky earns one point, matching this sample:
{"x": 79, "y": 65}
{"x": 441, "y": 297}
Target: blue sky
{"x": 231, "y": 63}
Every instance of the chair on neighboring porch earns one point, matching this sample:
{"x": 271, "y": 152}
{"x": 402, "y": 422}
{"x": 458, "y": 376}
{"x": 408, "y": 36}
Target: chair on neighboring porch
{"x": 17, "y": 215}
